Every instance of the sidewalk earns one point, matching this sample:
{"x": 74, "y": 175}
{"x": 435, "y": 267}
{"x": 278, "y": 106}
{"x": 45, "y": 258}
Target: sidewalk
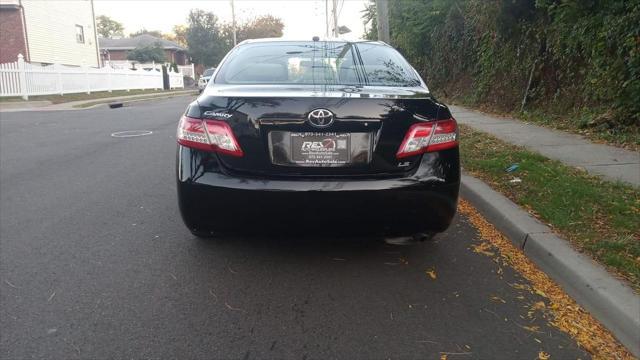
{"x": 610, "y": 162}
{"x": 77, "y": 105}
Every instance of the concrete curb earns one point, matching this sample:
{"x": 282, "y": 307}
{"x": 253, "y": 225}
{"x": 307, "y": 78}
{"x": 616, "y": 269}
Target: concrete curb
{"x": 608, "y": 299}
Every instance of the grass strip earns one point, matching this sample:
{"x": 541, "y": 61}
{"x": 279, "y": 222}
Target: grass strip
{"x": 598, "y": 217}
{"x": 141, "y": 98}
{"x": 58, "y": 99}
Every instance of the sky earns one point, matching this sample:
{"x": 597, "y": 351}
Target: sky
{"x": 302, "y": 18}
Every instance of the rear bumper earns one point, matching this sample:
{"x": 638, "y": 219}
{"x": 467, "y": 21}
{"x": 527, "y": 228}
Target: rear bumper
{"x": 211, "y": 200}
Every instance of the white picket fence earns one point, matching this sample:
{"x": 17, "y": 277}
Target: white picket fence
{"x": 186, "y": 70}
{"x": 176, "y": 80}
{"x": 23, "y": 79}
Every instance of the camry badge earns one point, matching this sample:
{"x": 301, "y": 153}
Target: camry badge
{"x": 320, "y": 118}
{"x": 217, "y": 114}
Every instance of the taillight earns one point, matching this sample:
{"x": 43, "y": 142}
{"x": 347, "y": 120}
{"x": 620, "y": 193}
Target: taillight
{"x": 208, "y": 135}
{"x": 427, "y": 137}
{"x": 191, "y": 134}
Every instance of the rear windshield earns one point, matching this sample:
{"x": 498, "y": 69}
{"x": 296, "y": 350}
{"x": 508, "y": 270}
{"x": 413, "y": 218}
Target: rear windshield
{"x": 317, "y": 63}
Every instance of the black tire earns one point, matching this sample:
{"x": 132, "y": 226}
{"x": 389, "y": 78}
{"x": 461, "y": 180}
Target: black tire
{"x": 424, "y": 236}
{"x": 202, "y": 234}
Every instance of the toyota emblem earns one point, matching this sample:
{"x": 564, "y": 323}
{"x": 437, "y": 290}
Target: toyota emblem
{"x": 320, "y": 118}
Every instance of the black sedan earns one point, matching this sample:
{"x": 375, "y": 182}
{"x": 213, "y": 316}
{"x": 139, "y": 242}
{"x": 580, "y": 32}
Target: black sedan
{"x": 309, "y": 137}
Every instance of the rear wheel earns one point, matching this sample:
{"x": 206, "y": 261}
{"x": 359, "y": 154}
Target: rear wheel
{"x": 202, "y": 234}
{"x": 424, "y": 236}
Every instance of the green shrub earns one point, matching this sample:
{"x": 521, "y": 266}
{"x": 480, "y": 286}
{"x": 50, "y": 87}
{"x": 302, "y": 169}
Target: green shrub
{"x": 583, "y": 56}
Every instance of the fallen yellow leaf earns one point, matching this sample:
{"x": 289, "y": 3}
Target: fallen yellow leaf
{"x": 483, "y": 248}
{"x": 532, "y": 328}
{"x": 432, "y": 274}
{"x": 543, "y": 356}
{"x": 564, "y": 313}
{"x": 519, "y": 286}
{"x": 538, "y": 305}
{"x": 540, "y": 292}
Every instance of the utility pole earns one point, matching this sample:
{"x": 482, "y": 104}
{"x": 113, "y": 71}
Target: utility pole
{"x": 326, "y": 18}
{"x": 335, "y": 19}
{"x": 233, "y": 22}
{"x": 383, "y": 20}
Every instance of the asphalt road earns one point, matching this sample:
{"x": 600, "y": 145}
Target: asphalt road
{"x": 95, "y": 263}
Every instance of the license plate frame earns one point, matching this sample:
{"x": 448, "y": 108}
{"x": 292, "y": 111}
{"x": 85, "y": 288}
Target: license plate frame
{"x": 320, "y": 149}
{"x": 361, "y": 147}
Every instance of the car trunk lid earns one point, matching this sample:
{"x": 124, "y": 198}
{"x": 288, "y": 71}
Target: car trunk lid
{"x": 273, "y": 127}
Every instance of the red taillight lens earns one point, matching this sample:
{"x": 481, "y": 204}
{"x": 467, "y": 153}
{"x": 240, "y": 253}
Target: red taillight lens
{"x": 427, "y": 137}
{"x": 191, "y": 134}
{"x": 208, "y": 135}
{"x": 221, "y": 137}
{"x": 445, "y": 136}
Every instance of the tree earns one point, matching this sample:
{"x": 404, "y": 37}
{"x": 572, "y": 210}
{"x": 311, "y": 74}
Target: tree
{"x": 143, "y": 31}
{"x": 108, "y": 28}
{"x": 204, "y": 38}
{"x": 562, "y": 58}
{"x": 266, "y": 26}
{"x": 147, "y": 54}
{"x": 178, "y": 35}
{"x": 370, "y": 17}
{"x": 208, "y": 40}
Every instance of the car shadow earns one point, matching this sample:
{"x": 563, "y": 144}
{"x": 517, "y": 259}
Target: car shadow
{"x": 292, "y": 248}
{"x": 311, "y": 249}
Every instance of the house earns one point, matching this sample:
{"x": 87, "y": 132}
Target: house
{"x": 61, "y": 31}
{"x": 116, "y": 50}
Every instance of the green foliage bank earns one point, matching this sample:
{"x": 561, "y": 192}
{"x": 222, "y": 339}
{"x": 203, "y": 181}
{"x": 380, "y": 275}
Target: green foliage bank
{"x": 579, "y": 59}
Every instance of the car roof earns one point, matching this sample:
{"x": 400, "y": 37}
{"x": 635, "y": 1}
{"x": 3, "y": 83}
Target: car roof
{"x": 280, "y": 39}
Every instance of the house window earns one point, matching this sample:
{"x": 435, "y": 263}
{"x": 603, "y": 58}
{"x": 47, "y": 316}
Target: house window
{"x": 79, "y": 34}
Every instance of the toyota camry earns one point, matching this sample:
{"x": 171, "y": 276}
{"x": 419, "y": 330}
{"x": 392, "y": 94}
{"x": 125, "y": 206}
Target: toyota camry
{"x": 317, "y": 137}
